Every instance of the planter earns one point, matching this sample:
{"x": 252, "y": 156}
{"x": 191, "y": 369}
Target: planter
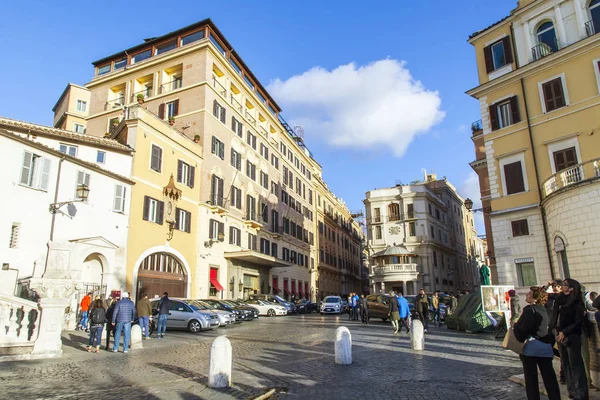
{"x": 197, "y": 139}
{"x": 171, "y": 122}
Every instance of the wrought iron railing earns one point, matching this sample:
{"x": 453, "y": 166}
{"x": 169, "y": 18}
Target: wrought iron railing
{"x": 590, "y": 28}
{"x": 476, "y": 126}
{"x": 217, "y": 201}
{"x": 170, "y": 86}
{"x": 146, "y": 93}
{"x": 219, "y": 88}
{"x": 264, "y": 131}
{"x": 115, "y": 103}
{"x": 570, "y": 176}
{"x": 542, "y": 50}
{"x": 250, "y": 118}
{"x": 236, "y": 104}
{"x": 250, "y": 216}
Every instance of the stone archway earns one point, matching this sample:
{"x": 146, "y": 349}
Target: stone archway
{"x": 162, "y": 272}
{"x": 92, "y": 270}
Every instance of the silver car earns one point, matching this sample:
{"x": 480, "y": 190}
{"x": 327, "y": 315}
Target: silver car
{"x": 225, "y": 317}
{"x": 184, "y": 315}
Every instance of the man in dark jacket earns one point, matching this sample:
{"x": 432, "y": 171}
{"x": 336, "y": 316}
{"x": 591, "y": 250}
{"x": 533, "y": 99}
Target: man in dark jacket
{"x": 364, "y": 309}
{"x": 422, "y": 306}
{"x": 123, "y": 317}
{"x": 109, "y": 326}
{"x": 393, "y": 311}
{"x": 163, "y": 314}
{"x": 144, "y": 311}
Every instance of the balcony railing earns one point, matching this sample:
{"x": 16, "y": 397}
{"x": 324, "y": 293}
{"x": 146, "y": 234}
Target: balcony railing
{"x": 250, "y": 118}
{"x": 542, "y": 50}
{"x": 476, "y": 126}
{"x": 217, "y": 201}
{"x": 236, "y": 104}
{"x": 170, "y": 86}
{"x": 115, "y": 103}
{"x": 249, "y": 216}
{"x": 264, "y": 132}
{"x": 590, "y": 28}
{"x": 395, "y": 217}
{"x": 571, "y": 176}
{"x": 147, "y": 93}
{"x": 219, "y": 88}
{"x": 395, "y": 269}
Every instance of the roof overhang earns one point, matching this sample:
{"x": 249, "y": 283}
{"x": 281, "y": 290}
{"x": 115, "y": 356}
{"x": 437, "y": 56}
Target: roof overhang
{"x": 255, "y": 257}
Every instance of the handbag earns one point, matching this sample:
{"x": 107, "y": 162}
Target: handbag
{"x": 511, "y": 343}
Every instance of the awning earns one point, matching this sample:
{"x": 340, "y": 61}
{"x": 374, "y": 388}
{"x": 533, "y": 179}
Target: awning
{"x": 287, "y": 291}
{"x": 276, "y": 289}
{"x": 214, "y": 281}
{"x": 255, "y": 257}
{"x": 300, "y": 291}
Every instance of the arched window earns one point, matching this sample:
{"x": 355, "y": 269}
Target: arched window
{"x": 394, "y": 212}
{"x": 547, "y": 35}
{"x": 561, "y": 255}
{"x": 593, "y": 26}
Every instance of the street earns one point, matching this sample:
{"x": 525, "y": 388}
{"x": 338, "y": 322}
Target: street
{"x": 292, "y": 354}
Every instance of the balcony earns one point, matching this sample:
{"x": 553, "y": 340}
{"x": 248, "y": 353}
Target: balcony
{"x": 253, "y": 220}
{"x": 396, "y": 271}
{"x": 590, "y": 28}
{"x": 277, "y": 231}
{"x": 395, "y": 217}
{"x": 217, "y": 205}
{"x": 570, "y": 177}
{"x": 250, "y": 118}
{"x": 236, "y": 105}
{"x": 218, "y": 87}
{"x": 263, "y": 132}
{"x": 170, "y": 86}
{"x": 543, "y": 49}
{"x": 115, "y": 103}
{"x": 476, "y": 126}
{"x": 146, "y": 94}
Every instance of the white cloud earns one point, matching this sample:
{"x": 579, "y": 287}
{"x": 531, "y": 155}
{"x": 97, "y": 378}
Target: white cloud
{"x": 376, "y": 105}
{"x": 470, "y": 189}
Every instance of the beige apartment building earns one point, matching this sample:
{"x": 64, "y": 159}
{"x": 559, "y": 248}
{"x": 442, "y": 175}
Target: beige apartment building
{"x": 72, "y": 108}
{"x": 256, "y": 216}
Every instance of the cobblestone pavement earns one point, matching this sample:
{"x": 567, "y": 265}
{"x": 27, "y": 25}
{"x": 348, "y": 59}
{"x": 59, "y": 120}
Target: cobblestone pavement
{"x": 293, "y": 354}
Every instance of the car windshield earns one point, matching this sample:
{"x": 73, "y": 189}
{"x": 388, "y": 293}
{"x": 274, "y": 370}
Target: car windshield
{"x": 199, "y": 305}
{"x": 331, "y": 300}
{"x": 229, "y": 303}
{"x": 211, "y": 303}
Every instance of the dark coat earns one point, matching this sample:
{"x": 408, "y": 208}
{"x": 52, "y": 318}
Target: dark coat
{"x": 533, "y": 323}
{"x": 393, "y": 305}
{"x": 124, "y": 311}
{"x": 164, "y": 305}
{"x": 568, "y": 317}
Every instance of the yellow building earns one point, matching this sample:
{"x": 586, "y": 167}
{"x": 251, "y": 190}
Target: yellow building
{"x": 539, "y": 84}
{"x": 72, "y": 108}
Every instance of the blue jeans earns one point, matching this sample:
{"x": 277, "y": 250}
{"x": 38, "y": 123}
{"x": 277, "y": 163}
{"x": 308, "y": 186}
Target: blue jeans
{"x": 436, "y": 315}
{"x": 162, "y": 324}
{"x": 84, "y": 319}
{"x": 96, "y": 335}
{"x": 144, "y": 322}
{"x": 122, "y": 326}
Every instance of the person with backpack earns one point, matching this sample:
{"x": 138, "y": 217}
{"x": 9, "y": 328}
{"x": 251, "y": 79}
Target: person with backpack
{"x": 109, "y": 327}
{"x": 97, "y": 321}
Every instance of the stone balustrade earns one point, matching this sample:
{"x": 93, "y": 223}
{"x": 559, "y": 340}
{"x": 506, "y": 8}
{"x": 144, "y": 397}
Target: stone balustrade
{"x": 394, "y": 269}
{"x": 19, "y": 321}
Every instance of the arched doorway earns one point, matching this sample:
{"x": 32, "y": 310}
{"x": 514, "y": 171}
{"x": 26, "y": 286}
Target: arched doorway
{"x": 92, "y": 269}
{"x": 161, "y": 272}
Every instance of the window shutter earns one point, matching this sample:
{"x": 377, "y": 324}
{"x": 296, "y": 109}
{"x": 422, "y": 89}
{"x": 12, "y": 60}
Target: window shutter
{"x": 45, "y": 176}
{"x": 26, "y": 169}
{"x": 559, "y": 98}
{"x": 233, "y": 158}
{"x": 213, "y": 190}
{"x": 513, "y": 176}
{"x": 221, "y": 228}
{"x": 508, "y": 55}
{"x": 494, "y": 117}
{"x": 215, "y": 108}
{"x": 161, "y": 111}
{"x": 192, "y": 176}
{"x": 177, "y": 219}
{"x": 223, "y": 112}
{"x": 161, "y": 212}
{"x": 222, "y": 151}
{"x": 233, "y": 127}
{"x": 211, "y": 228}
{"x": 179, "y": 171}
{"x": 214, "y": 145}
{"x": 238, "y": 238}
{"x": 220, "y": 192}
{"x": 239, "y": 131}
{"x": 489, "y": 62}
{"x": 176, "y": 107}
{"x": 146, "y": 208}
{"x": 514, "y": 109}
{"x": 188, "y": 222}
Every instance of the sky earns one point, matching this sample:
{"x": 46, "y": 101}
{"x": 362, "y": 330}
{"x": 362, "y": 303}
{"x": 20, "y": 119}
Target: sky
{"x": 379, "y": 87}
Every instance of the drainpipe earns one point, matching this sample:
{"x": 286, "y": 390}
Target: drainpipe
{"x": 537, "y": 178}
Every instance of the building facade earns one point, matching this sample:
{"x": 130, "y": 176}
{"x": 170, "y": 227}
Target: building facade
{"x": 72, "y": 108}
{"x": 539, "y": 94}
{"x": 420, "y": 236}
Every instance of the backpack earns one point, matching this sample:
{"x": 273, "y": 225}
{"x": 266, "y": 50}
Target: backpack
{"x": 98, "y": 316}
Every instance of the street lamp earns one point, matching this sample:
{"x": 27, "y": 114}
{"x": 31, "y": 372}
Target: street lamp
{"x": 82, "y": 192}
{"x": 469, "y": 207}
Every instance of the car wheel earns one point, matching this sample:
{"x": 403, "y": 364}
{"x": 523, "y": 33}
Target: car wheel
{"x": 194, "y": 326}
{"x": 271, "y": 313}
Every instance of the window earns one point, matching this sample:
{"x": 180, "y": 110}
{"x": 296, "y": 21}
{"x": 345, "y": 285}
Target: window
{"x": 153, "y": 210}
{"x": 141, "y": 56}
{"x": 378, "y": 233}
{"x": 236, "y": 197}
{"x": 377, "y": 215}
{"x": 235, "y": 65}
{"x": 35, "y": 171}
{"x": 251, "y": 242}
{"x": 553, "y": 95}
{"x": 81, "y": 105}
{"x": 513, "y": 177}
{"x": 236, "y": 126}
{"x": 250, "y": 208}
{"x": 156, "y": 158}
{"x": 564, "y": 159}
{"x": 437, "y": 213}
{"x": 264, "y": 151}
{"x": 236, "y": 160}
{"x": 520, "y": 228}
{"x": 432, "y": 231}
{"x": 435, "y": 260}
{"x": 498, "y": 54}
{"x": 430, "y": 209}
{"x": 219, "y": 111}
{"x": 298, "y": 186}
{"x": 265, "y": 246}
{"x": 218, "y": 148}
{"x": 285, "y": 175}
{"x": 285, "y": 256}
{"x": 274, "y": 188}
{"x": 185, "y": 173}
{"x": 119, "y": 201}
{"x": 120, "y": 64}
{"x": 526, "y": 274}
{"x": 275, "y": 161}
{"x": 274, "y": 250}
{"x": 183, "y": 220}
{"x": 264, "y": 180}
{"x": 14, "y": 236}
{"x": 164, "y": 47}
{"x": 68, "y": 149}
{"x": 546, "y": 37}
{"x": 192, "y": 37}
{"x": 410, "y": 210}
{"x": 412, "y": 229}
{"x": 250, "y": 170}
{"x": 172, "y": 108}
{"x": 83, "y": 178}
{"x": 251, "y": 139}
{"x": 216, "y": 191}
{"x": 101, "y": 157}
{"x": 105, "y": 69}
{"x": 282, "y": 148}
{"x": 215, "y": 228}
{"x": 215, "y": 41}
{"x": 504, "y": 113}
{"x": 235, "y": 236}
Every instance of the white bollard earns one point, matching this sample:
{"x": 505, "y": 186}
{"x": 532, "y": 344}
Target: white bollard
{"x": 136, "y": 337}
{"x": 343, "y": 346}
{"x": 417, "y": 336}
{"x": 219, "y": 364}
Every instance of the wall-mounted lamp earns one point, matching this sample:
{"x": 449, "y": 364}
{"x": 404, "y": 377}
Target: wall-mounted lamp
{"x": 82, "y": 193}
{"x": 231, "y": 283}
{"x": 220, "y": 238}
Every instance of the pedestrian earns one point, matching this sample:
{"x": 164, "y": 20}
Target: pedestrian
{"x": 532, "y": 328}
{"x": 364, "y": 309}
{"x": 515, "y": 307}
{"x": 97, "y": 321}
{"x": 163, "y": 314}
{"x": 596, "y": 305}
{"x": 109, "y": 326}
{"x": 554, "y": 288}
{"x": 144, "y": 311}
{"x": 122, "y": 318}
{"x": 84, "y": 305}
{"x": 435, "y": 301}
{"x": 569, "y": 311}
{"x": 422, "y": 306}
{"x": 453, "y": 303}
{"x": 403, "y": 312}
{"x": 393, "y": 311}
{"x": 356, "y": 301}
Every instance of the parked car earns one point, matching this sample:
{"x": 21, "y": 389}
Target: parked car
{"x": 379, "y": 305}
{"x": 240, "y": 314}
{"x": 266, "y": 308}
{"x": 242, "y": 306}
{"x": 274, "y": 299}
{"x": 332, "y": 305}
{"x": 225, "y": 317}
{"x": 305, "y": 306}
{"x": 184, "y": 314}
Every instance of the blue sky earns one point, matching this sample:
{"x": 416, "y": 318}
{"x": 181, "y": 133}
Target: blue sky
{"x": 45, "y": 46}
